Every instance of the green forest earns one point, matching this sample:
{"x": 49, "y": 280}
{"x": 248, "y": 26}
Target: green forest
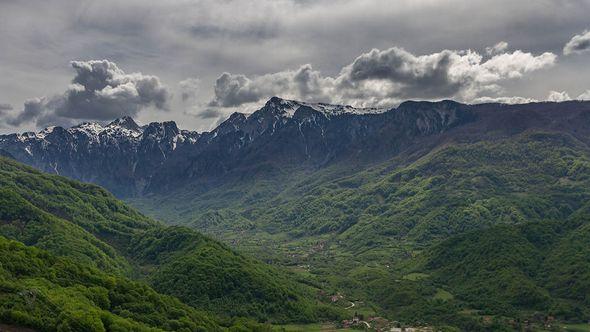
{"x": 74, "y": 258}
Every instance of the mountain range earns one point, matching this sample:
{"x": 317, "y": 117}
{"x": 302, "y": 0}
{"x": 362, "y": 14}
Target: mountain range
{"x": 133, "y": 160}
{"x": 121, "y": 155}
{"x": 470, "y": 217}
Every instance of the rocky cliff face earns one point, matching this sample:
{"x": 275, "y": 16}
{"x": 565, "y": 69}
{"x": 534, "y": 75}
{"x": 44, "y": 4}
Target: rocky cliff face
{"x": 284, "y": 133}
{"x": 121, "y": 156}
{"x": 129, "y": 159}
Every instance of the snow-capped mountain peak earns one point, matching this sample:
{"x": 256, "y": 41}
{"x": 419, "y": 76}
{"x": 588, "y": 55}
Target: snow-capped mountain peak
{"x": 288, "y": 108}
{"x": 119, "y": 155}
{"x": 129, "y": 159}
{"x": 125, "y": 122}
{"x": 88, "y": 128}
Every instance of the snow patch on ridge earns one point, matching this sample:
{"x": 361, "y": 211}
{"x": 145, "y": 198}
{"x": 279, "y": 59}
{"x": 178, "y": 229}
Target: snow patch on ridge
{"x": 43, "y": 133}
{"x": 287, "y": 108}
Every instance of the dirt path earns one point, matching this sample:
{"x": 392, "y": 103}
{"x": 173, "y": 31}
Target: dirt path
{"x": 351, "y": 305}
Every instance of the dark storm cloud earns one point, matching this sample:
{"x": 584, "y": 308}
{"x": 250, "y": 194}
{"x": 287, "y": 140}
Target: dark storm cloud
{"x": 430, "y": 75}
{"x": 33, "y": 108}
{"x": 102, "y": 91}
{"x": 578, "y": 44}
{"x": 382, "y": 78}
{"x": 303, "y": 83}
{"x": 99, "y": 91}
{"x": 40, "y": 112}
{"x": 234, "y": 90}
{"x": 309, "y": 84}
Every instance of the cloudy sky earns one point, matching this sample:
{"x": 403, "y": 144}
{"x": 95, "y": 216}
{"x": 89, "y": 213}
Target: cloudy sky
{"x": 195, "y": 62}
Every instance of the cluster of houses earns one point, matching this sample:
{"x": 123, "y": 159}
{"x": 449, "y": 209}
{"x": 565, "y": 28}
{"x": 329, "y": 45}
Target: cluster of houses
{"x": 381, "y": 324}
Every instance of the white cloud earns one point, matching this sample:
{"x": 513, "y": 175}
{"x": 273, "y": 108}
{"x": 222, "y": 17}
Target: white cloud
{"x": 303, "y": 83}
{"x": 552, "y": 96}
{"x": 578, "y": 44}
{"x": 382, "y": 78}
{"x": 498, "y": 48}
{"x": 99, "y": 91}
{"x": 584, "y": 96}
{"x": 558, "y": 96}
{"x": 504, "y": 100}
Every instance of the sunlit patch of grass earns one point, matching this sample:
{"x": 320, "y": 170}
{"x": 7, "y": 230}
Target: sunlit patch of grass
{"x": 416, "y": 276}
{"x": 442, "y": 294}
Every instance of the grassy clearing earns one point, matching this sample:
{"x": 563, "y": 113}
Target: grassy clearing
{"x": 416, "y": 276}
{"x": 442, "y": 294}
{"x": 577, "y": 327}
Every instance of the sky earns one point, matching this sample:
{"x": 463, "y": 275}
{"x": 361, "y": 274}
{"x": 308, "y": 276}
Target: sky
{"x": 195, "y": 62}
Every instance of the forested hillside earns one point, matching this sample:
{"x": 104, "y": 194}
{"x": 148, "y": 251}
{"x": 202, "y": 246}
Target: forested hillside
{"x": 435, "y": 213}
{"x": 82, "y": 229}
{"x": 489, "y": 228}
{"x": 295, "y": 166}
{"x": 51, "y": 293}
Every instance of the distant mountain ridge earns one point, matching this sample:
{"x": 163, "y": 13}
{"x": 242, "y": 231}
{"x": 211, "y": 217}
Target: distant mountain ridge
{"x": 132, "y": 160}
{"x": 120, "y": 156}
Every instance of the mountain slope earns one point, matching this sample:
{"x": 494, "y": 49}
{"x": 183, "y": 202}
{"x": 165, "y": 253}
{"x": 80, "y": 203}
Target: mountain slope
{"x": 158, "y": 158}
{"x": 49, "y": 293}
{"x": 85, "y": 223}
{"x": 361, "y": 232}
{"x": 284, "y": 134}
{"x": 453, "y": 189}
{"x": 361, "y": 201}
{"x": 504, "y": 278}
{"x": 540, "y": 266}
